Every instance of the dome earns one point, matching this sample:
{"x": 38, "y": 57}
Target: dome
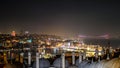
{"x": 77, "y": 62}
{"x": 58, "y": 63}
{"x": 43, "y": 63}
{"x": 92, "y": 65}
{"x": 96, "y": 65}
{"x": 101, "y": 64}
{"x": 114, "y": 63}
{"x": 87, "y": 65}
{"x": 82, "y": 64}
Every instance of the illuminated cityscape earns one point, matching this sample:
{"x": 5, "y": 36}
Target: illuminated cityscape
{"x": 27, "y": 49}
{"x": 59, "y": 34}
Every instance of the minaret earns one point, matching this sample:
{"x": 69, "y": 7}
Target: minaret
{"x": 13, "y": 33}
{"x": 108, "y": 53}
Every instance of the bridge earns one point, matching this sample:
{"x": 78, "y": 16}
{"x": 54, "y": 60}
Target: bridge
{"x": 106, "y": 36}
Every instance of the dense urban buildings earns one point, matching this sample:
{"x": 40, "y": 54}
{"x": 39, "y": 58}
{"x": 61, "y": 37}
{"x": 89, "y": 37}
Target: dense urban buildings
{"x": 26, "y": 49}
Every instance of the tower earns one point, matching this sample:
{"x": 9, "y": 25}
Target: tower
{"x": 13, "y": 33}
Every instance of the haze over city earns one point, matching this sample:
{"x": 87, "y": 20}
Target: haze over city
{"x": 63, "y": 18}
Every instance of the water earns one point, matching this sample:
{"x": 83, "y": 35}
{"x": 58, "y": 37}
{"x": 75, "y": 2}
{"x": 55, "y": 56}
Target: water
{"x": 115, "y": 43}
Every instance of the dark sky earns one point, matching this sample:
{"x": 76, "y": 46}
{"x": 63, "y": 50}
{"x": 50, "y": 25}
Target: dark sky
{"x": 61, "y": 17}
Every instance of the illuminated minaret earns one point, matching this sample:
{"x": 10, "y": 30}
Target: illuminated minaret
{"x": 13, "y": 33}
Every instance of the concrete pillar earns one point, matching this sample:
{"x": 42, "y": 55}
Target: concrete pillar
{"x": 63, "y": 60}
{"x": 84, "y": 55}
{"x": 21, "y": 57}
{"x": 55, "y": 50}
{"x": 80, "y": 57}
{"x": 29, "y": 58}
{"x": 99, "y": 59}
{"x": 11, "y": 57}
{"x": 5, "y": 58}
{"x": 73, "y": 58}
{"x": 108, "y": 57}
{"x": 37, "y": 60}
{"x": 92, "y": 60}
{"x": 40, "y": 56}
{"x": 96, "y": 53}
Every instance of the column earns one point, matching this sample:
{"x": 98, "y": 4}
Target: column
{"x": 73, "y": 58}
{"x": 29, "y": 58}
{"x": 37, "y": 60}
{"x": 80, "y": 57}
{"x": 84, "y": 55}
{"x": 21, "y": 57}
{"x": 63, "y": 60}
{"x": 108, "y": 57}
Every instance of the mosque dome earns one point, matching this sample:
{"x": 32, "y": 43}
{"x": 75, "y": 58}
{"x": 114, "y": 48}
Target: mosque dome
{"x": 43, "y": 63}
{"x": 83, "y": 63}
{"x": 58, "y": 63}
{"x": 87, "y": 65}
{"x": 92, "y": 65}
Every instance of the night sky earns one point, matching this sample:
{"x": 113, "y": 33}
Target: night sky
{"x": 61, "y": 17}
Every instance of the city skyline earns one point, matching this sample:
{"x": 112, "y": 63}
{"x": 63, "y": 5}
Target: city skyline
{"x": 63, "y": 18}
